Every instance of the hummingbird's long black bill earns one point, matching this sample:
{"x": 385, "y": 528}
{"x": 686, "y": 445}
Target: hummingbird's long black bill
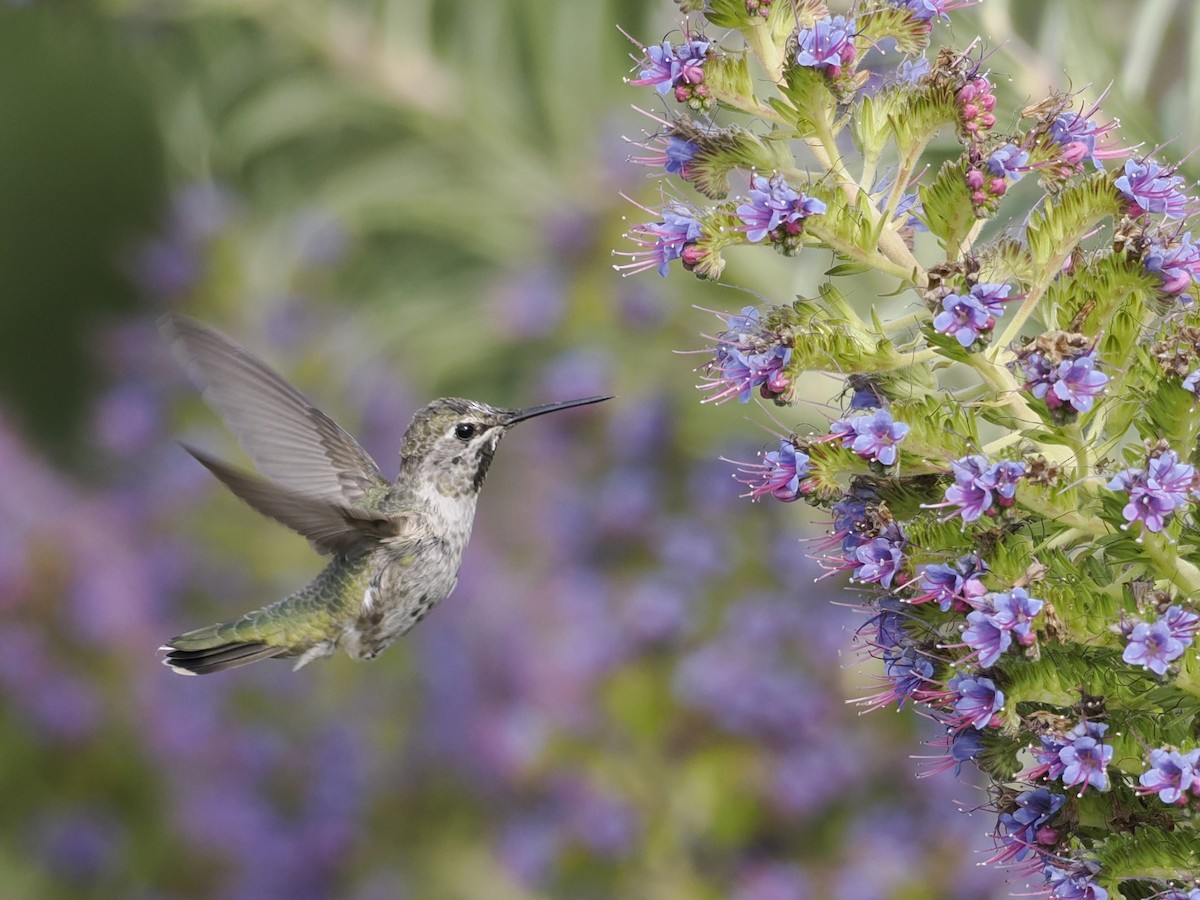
{"x": 532, "y": 411}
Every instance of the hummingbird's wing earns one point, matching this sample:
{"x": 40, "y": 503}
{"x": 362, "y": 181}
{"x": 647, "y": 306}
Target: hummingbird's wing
{"x": 329, "y": 527}
{"x": 294, "y": 444}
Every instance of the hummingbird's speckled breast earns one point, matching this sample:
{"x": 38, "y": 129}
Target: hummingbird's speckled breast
{"x": 412, "y": 578}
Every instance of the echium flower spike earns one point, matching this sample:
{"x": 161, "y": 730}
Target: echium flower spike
{"x": 1010, "y": 471}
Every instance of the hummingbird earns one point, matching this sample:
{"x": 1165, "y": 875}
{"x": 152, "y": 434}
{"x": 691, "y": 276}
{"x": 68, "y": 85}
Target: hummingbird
{"x": 396, "y": 546}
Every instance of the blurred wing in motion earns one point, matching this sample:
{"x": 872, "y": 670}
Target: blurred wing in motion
{"x": 295, "y": 445}
{"x": 329, "y": 527}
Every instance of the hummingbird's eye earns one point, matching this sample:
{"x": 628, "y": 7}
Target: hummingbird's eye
{"x": 464, "y": 431}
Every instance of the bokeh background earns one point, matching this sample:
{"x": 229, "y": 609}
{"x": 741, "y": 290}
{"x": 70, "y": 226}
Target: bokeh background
{"x": 637, "y": 690}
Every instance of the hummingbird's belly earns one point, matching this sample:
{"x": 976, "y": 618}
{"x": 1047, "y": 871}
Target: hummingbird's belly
{"x": 402, "y": 594}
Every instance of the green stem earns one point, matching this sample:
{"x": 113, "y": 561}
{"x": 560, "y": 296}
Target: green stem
{"x": 992, "y": 448}
{"x": 1078, "y": 444}
{"x": 895, "y": 327}
{"x": 769, "y": 53}
{"x": 1167, "y": 563}
{"x": 1037, "y": 501}
{"x": 1006, "y": 389}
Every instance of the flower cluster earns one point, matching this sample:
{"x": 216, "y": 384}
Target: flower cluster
{"x": 828, "y": 45}
{"x": 780, "y": 474}
{"x": 776, "y": 212}
{"x": 1156, "y": 645}
{"x": 875, "y": 437}
{"x": 663, "y": 241}
{"x": 997, "y": 620}
{"x": 975, "y": 104}
{"x": 677, "y": 70}
{"x": 981, "y": 487}
{"x": 1156, "y": 489}
{"x": 996, "y": 557}
{"x": 748, "y": 356}
{"x": 1062, "y": 374}
{"x": 969, "y": 317}
{"x": 988, "y": 178}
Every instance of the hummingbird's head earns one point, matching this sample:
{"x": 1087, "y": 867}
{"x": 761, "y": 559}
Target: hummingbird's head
{"x": 450, "y": 443}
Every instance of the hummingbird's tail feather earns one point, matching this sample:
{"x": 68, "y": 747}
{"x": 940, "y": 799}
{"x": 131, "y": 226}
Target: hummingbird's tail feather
{"x": 218, "y": 658}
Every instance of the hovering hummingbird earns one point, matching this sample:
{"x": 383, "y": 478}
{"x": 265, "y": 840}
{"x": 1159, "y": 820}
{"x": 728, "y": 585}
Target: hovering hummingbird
{"x": 396, "y": 546}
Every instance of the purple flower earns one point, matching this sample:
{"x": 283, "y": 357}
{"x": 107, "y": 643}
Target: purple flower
{"x": 971, "y": 491}
{"x": 1077, "y": 135}
{"x": 666, "y": 67}
{"x": 908, "y": 671}
{"x": 963, "y": 317}
{"x": 1014, "y": 611}
{"x": 873, "y": 437}
{"x": 1049, "y": 765}
{"x": 1003, "y": 477}
{"x": 879, "y": 560}
{"x": 775, "y": 209}
{"x": 1071, "y": 385}
{"x": 1155, "y": 646}
{"x": 992, "y": 296}
{"x": 747, "y": 357}
{"x": 1182, "y": 622}
{"x": 1147, "y": 503}
{"x": 938, "y": 582}
{"x": 1149, "y": 189}
{"x": 661, "y": 241}
{"x": 1176, "y": 264}
{"x": 1156, "y": 491}
{"x": 1039, "y": 374}
{"x": 669, "y": 151}
{"x": 986, "y": 638}
{"x": 1192, "y": 382}
{"x": 679, "y": 154}
{"x": 1085, "y": 756}
{"x": 910, "y": 71}
{"x": 1077, "y": 884}
{"x": 1007, "y": 162}
{"x": 962, "y": 747}
{"x": 977, "y": 703}
{"x": 1152, "y": 647}
{"x": 1176, "y": 478}
{"x": 828, "y": 45}
{"x": 957, "y": 586}
{"x": 1171, "y": 775}
{"x": 779, "y": 474}
{"x": 1021, "y": 831}
{"x": 1077, "y": 383}
{"x": 975, "y": 481}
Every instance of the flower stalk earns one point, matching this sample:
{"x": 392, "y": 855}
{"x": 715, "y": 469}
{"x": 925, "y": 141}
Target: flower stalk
{"x": 1021, "y": 449}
